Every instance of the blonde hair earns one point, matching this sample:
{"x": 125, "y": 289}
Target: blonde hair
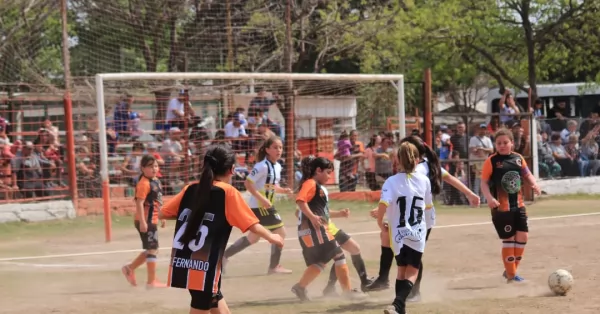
{"x": 408, "y": 157}
{"x": 504, "y": 132}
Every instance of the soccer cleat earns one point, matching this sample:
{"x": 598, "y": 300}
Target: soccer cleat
{"x": 517, "y": 278}
{"x": 330, "y": 291}
{"x": 390, "y": 309}
{"x": 416, "y": 297}
{"x": 355, "y": 294}
{"x": 368, "y": 282}
{"x": 300, "y": 292}
{"x": 155, "y": 284}
{"x": 279, "y": 270}
{"x": 378, "y": 285}
{"x": 129, "y": 275}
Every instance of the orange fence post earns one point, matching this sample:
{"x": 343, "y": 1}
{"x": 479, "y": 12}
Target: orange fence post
{"x": 70, "y": 136}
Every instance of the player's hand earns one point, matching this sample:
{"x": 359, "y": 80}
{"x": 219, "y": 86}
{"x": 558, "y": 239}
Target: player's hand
{"x": 536, "y": 189}
{"x": 493, "y": 203}
{"x": 373, "y": 213}
{"x": 384, "y": 227}
{"x": 288, "y": 191}
{"x": 345, "y": 212}
{"x": 316, "y": 221}
{"x": 265, "y": 203}
{"x": 275, "y": 239}
{"x": 474, "y": 200}
{"x": 163, "y": 223}
{"x": 143, "y": 226}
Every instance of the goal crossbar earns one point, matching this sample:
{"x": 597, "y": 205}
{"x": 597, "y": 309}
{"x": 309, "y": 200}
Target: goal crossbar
{"x": 396, "y": 80}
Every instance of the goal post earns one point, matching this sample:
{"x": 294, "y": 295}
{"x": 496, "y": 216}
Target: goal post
{"x": 186, "y": 80}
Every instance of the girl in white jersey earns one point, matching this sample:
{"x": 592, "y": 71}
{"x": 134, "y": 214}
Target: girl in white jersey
{"x": 404, "y": 197}
{"x": 263, "y": 183}
{"x": 429, "y": 165}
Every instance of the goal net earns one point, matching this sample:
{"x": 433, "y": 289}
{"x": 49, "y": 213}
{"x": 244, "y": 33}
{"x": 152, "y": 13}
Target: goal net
{"x": 174, "y": 116}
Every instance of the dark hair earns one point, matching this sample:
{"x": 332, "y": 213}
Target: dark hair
{"x": 433, "y": 162}
{"x": 146, "y": 161}
{"x": 344, "y": 135}
{"x": 137, "y": 145}
{"x": 372, "y": 141}
{"x": 218, "y": 160}
{"x": 262, "y": 150}
{"x": 309, "y": 166}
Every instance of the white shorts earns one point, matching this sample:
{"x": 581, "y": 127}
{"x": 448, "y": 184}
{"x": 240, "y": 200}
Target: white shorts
{"x": 413, "y": 237}
{"x": 430, "y": 217}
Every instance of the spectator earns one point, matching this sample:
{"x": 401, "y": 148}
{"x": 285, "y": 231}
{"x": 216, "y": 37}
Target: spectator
{"x": 240, "y": 111}
{"x": 130, "y": 168}
{"x": 236, "y": 133}
{"x": 557, "y": 116}
{"x": 480, "y": 147}
{"x": 6, "y": 183}
{"x": 88, "y": 180}
{"x": 493, "y": 126}
{"x": 343, "y": 155}
{"x": 51, "y": 152}
{"x": 589, "y": 124}
{"x": 589, "y": 164}
{"x": 47, "y": 124}
{"x": 370, "y": 155}
{"x": 508, "y": 108}
{"x": 383, "y": 162}
{"x": 547, "y": 165}
{"x": 28, "y": 171}
{"x": 455, "y": 168}
{"x": 176, "y": 110}
{"x": 14, "y": 148}
{"x": 258, "y": 108}
{"x": 357, "y": 151}
{"x": 520, "y": 140}
{"x": 459, "y": 140}
{"x": 567, "y": 163}
{"x": 121, "y": 116}
{"x": 173, "y": 154}
{"x": 571, "y": 129}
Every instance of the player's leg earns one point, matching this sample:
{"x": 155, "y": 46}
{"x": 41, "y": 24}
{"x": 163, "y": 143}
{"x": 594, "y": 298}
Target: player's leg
{"x": 343, "y": 274}
{"x": 386, "y": 259}
{"x": 415, "y": 293}
{"x": 504, "y": 223}
{"x": 408, "y": 262}
{"x": 274, "y": 263}
{"x": 205, "y": 303}
{"x": 151, "y": 257}
{"x": 521, "y": 238}
{"x": 129, "y": 269}
{"x": 309, "y": 275}
{"x": 351, "y": 246}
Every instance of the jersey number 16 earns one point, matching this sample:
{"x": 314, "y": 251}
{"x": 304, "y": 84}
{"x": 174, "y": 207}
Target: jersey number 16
{"x": 416, "y": 212}
{"x": 196, "y": 243}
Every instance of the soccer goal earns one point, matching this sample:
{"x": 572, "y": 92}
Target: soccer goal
{"x": 153, "y": 112}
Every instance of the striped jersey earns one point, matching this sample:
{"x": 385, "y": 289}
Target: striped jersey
{"x": 423, "y": 168}
{"x": 197, "y": 265}
{"x": 265, "y": 176}
{"x": 150, "y": 191}
{"x": 316, "y": 197}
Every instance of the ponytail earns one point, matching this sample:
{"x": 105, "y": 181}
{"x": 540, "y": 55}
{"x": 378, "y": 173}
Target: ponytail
{"x": 408, "y": 157}
{"x": 218, "y": 160}
{"x": 305, "y": 169}
{"x": 435, "y": 170}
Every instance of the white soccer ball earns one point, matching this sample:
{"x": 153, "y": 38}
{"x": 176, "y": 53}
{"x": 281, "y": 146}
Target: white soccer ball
{"x": 560, "y": 282}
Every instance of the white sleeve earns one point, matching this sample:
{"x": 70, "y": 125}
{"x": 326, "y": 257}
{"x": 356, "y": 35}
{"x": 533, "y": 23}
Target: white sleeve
{"x": 428, "y": 195}
{"x": 473, "y": 142}
{"x": 242, "y": 130}
{"x": 172, "y": 104}
{"x": 229, "y": 130}
{"x": 387, "y": 193}
{"x": 258, "y": 172}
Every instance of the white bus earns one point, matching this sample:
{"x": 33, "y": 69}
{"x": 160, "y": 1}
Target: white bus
{"x": 581, "y": 98}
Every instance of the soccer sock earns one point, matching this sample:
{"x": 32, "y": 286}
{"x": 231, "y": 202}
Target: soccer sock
{"x": 519, "y": 249}
{"x": 508, "y": 257}
{"x": 385, "y": 263}
{"x": 403, "y": 288}
{"x": 332, "y": 276}
{"x": 275, "y": 256}
{"x": 151, "y": 266}
{"x": 310, "y": 274}
{"x": 138, "y": 261}
{"x": 361, "y": 269}
{"x": 417, "y": 286}
{"x": 343, "y": 274}
{"x": 239, "y": 245}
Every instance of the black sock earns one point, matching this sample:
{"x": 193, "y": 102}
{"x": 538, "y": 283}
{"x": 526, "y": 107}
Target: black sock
{"x": 385, "y": 263}
{"x": 417, "y": 286}
{"x": 361, "y": 269}
{"x": 332, "y": 276}
{"x": 403, "y": 288}
{"x": 239, "y": 245}
{"x": 275, "y": 256}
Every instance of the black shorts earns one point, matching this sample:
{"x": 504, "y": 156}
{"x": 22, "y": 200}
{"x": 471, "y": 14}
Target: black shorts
{"x": 149, "y": 238}
{"x": 507, "y": 223}
{"x": 205, "y": 301}
{"x": 341, "y": 237}
{"x": 409, "y": 257}
{"x": 268, "y": 218}
{"x": 320, "y": 254}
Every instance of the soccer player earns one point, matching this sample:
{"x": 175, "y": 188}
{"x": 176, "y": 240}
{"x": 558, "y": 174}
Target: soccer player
{"x": 501, "y": 178}
{"x": 206, "y": 212}
{"x": 148, "y": 200}
{"x": 263, "y": 183}
{"x": 317, "y": 242}
{"x": 428, "y": 165}
{"x": 404, "y": 196}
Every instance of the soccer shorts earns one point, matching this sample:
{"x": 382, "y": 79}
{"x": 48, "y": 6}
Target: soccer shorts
{"x": 205, "y": 301}
{"x": 149, "y": 238}
{"x": 341, "y": 237}
{"x": 268, "y": 218}
{"x": 321, "y": 253}
{"x": 507, "y": 223}
{"x": 409, "y": 257}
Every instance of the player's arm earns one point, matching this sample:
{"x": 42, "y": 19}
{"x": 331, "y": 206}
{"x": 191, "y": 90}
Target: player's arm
{"x": 171, "y": 208}
{"x": 486, "y": 176}
{"x": 528, "y": 176}
{"x": 239, "y": 215}
{"x": 280, "y": 190}
{"x": 386, "y": 199}
{"x": 142, "y": 190}
{"x": 307, "y": 192}
{"x": 258, "y": 173}
{"x": 342, "y": 213}
{"x": 456, "y": 183}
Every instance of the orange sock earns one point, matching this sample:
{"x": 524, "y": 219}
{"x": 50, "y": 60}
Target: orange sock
{"x": 508, "y": 257}
{"x": 151, "y": 266}
{"x": 310, "y": 274}
{"x": 343, "y": 274}
{"x": 519, "y": 249}
{"x": 138, "y": 261}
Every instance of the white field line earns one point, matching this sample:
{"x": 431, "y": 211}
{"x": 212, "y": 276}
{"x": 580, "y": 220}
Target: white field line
{"x": 24, "y": 258}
